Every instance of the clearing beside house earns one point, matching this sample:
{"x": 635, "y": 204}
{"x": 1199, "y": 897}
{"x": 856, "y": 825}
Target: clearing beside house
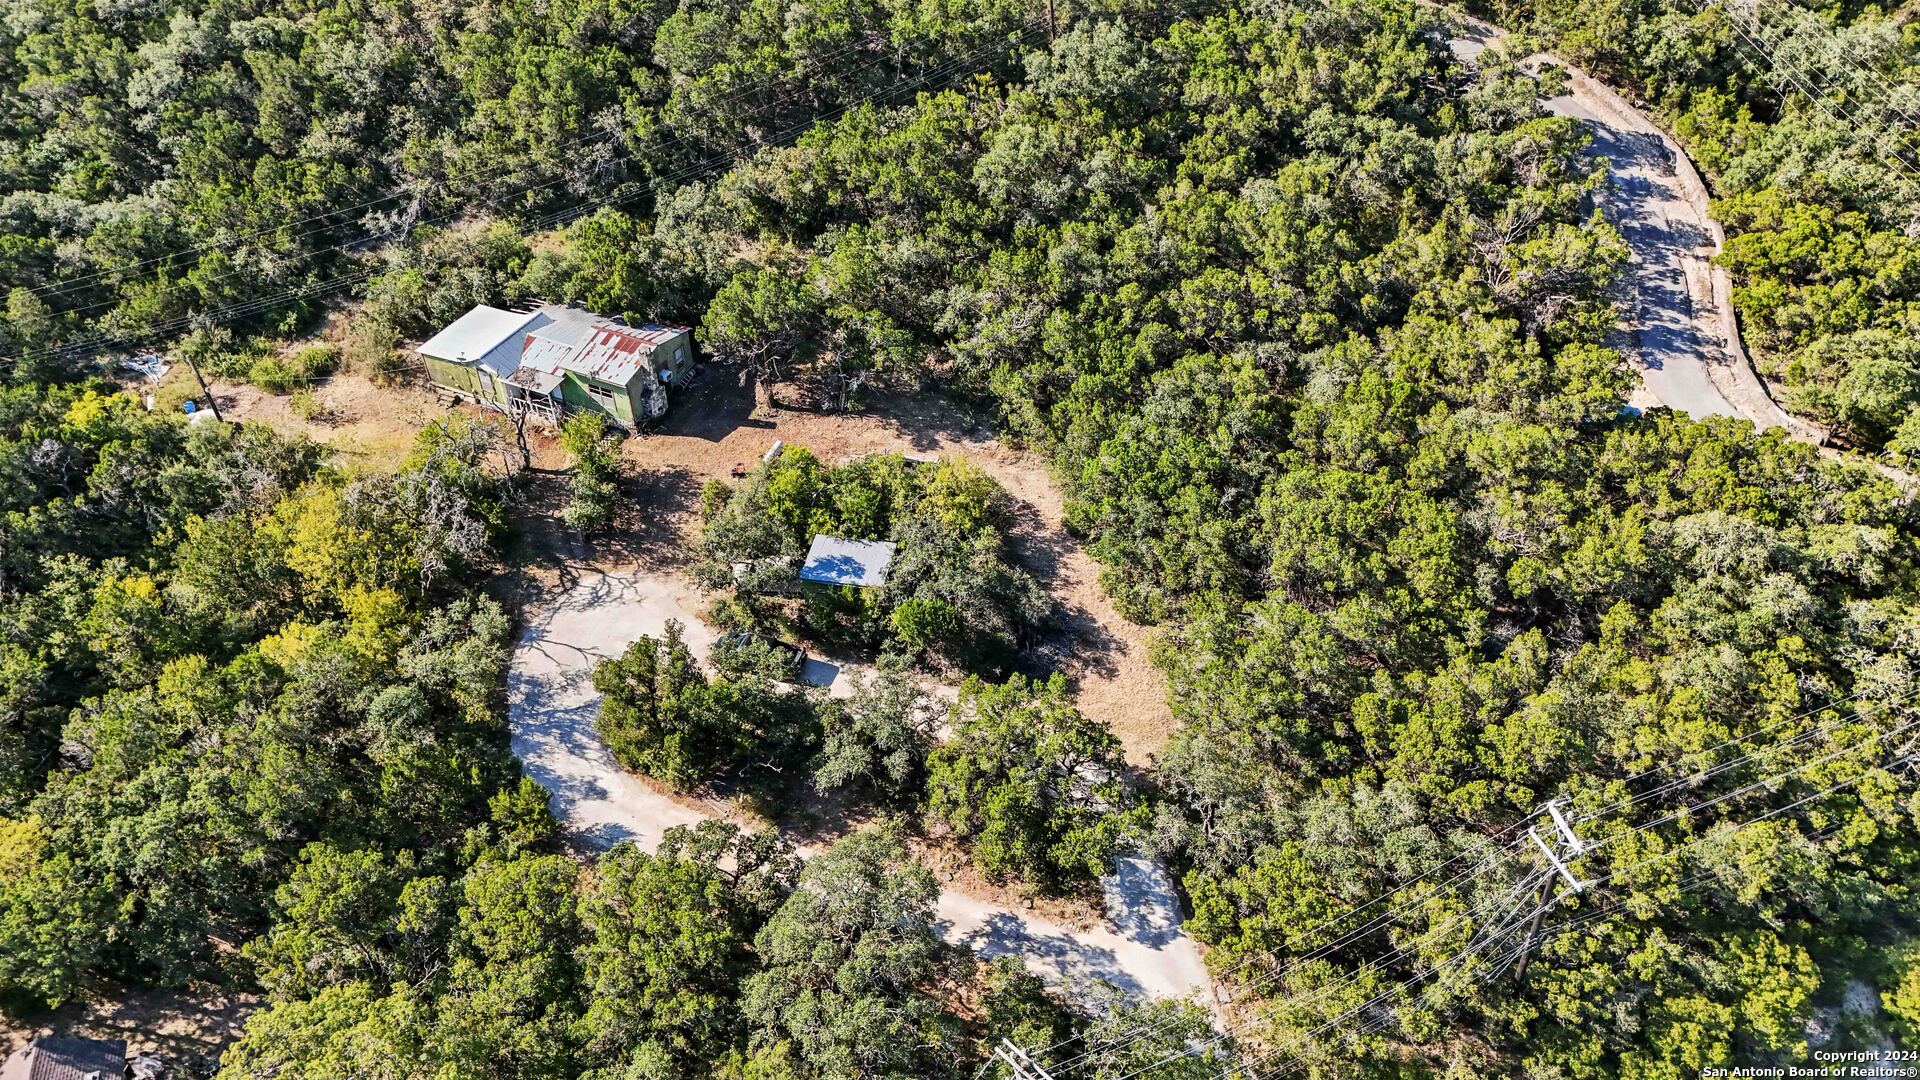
{"x": 361, "y": 422}
{"x": 715, "y": 427}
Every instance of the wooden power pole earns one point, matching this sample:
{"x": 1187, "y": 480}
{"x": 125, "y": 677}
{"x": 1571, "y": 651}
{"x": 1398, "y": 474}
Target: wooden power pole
{"x": 202, "y": 380}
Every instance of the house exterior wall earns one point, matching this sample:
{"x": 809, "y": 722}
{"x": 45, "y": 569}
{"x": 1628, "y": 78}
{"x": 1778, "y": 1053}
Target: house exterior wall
{"x": 574, "y": 396}
{"x": 464, "y": 376}
{"x": 665, "y": 359}
{"x": 467, "y": 379}
{"x": 648, "y": 395}
{"x": 643, "y": 398}
{"x": 453, "y": 376}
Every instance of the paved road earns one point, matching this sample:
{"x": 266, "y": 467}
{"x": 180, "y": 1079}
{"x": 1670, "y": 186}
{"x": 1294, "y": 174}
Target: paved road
{"x": 552, "y": 706}
{"x": 1671, "y": 333}
{"x": 1672, "y": 327}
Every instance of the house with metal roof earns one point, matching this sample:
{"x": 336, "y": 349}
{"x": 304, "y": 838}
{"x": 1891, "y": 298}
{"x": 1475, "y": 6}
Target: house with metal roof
{"x": 49, "y": 1058}
{"x": 555, "y": 359}
{"x": 860, "y": 563}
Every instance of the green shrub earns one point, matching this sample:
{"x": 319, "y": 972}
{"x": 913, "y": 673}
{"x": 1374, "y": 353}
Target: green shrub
{"x": 662, "y": 716}
{"x": 272, "y": 374}
{"x": 1031, "y": 785}
{"x": 315, "y": 361}
{"x": 584, "y": 436}
{"x": 305, "y": 404}
{"x": 371, "y": 347}
{"x": 278, "y": 374}
{"x": 838, "y": 613}
{"x": 590, "y": 504}
{"x": 927, "y": 622}
{"x": 952, "y": 588}
{"x": 713, "y": 498}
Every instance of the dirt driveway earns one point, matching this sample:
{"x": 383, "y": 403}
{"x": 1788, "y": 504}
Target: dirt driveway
{"x": 552, "y": 707}
{"x": 715, "y": 426}
{"x": 1678, "y": 327}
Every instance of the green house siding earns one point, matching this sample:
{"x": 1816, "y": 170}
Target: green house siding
{"x": 574, "y": 395}
{"x": 625, "y": 405}
{"x": 665, "y": 360}
{"x": 451, "y": 375}
{"x": 466, "y": 379}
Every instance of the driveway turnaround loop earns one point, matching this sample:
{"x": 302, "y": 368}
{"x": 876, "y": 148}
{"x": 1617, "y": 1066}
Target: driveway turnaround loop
{"x": 552, "y": 706}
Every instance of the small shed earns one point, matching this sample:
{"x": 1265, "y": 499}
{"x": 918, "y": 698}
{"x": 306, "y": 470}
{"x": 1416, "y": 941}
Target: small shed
{"x": 860, "y": 563}
{"x": 67, "y": 1059}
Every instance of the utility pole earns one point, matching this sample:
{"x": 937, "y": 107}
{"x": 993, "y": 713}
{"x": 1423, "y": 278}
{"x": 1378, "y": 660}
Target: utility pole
{"x": 202, "y": 380}
{"x": 1575, "y": 847}
{"x": 1023, "y": 1066}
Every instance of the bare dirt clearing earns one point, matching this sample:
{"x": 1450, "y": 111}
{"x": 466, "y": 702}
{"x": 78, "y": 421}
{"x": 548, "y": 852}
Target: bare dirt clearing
{"x": 181, "y": 1029}
{"x": 715, "y": 427}
{"x": 585, "y": 601}
{"x": 366, "y": 425}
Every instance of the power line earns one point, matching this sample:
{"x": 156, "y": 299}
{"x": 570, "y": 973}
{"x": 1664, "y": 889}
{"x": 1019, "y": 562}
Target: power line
{"x": 1364, "y": 969}
{"x": 1750, "y": 29}
{"x": 1281, "y": 971}
{"x": 1619, "y": 872}
{"x": 1505, "y": 922}
{"x": 1833, "y": 42}
{"x": 256, "y": 305}
{"x": 1724, "y": 766}
{"x": 64, "y": 286}
{"x": 1754, "y": 786}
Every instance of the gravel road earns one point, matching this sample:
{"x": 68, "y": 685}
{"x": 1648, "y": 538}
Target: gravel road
{"x": 552, "y": 706}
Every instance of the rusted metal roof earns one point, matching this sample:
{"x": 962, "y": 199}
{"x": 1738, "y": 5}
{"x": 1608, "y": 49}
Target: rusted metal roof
{"x": 556, "y": 338}
{"x": 615, "y": 354}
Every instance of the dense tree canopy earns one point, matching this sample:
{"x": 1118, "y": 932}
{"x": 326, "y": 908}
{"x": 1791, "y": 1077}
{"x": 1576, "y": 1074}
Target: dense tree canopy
{"x": 951, "y": 593}
{"x": 663, "y": 716}
{"x": 1310, "y": 321}
{"x": 1819, "y": 194}
{"x": 230, "y": 669}
{"x": 1032, "y": 786}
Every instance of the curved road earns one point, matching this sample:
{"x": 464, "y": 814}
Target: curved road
{"x": 1678, "y": 332}
{"x": 552, "y": 705}
{"x": 1678, "y": 328}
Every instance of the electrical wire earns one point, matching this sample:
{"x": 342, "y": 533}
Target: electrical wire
{"x": 1618, "y": 872}
{"x": 256, "y": 305}
{"x": 1695, "y": 778}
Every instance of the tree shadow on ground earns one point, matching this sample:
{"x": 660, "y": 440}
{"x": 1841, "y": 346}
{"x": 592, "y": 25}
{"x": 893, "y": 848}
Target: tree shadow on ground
{"x": 1073, "y": 639}
{"x": 720, "y": 402}
{"x": 646, "y": 529}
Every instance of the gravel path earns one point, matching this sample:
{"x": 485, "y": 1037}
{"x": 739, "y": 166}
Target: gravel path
{"x": 552, "y": 706}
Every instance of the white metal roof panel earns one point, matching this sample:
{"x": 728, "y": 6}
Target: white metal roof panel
{"x": 571, "y": 324}
{"x": 535, "y": 379}
{"x": 472, "y": 336}
{"x": 546, "y": 353}
{"x": 833, "y": 561}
